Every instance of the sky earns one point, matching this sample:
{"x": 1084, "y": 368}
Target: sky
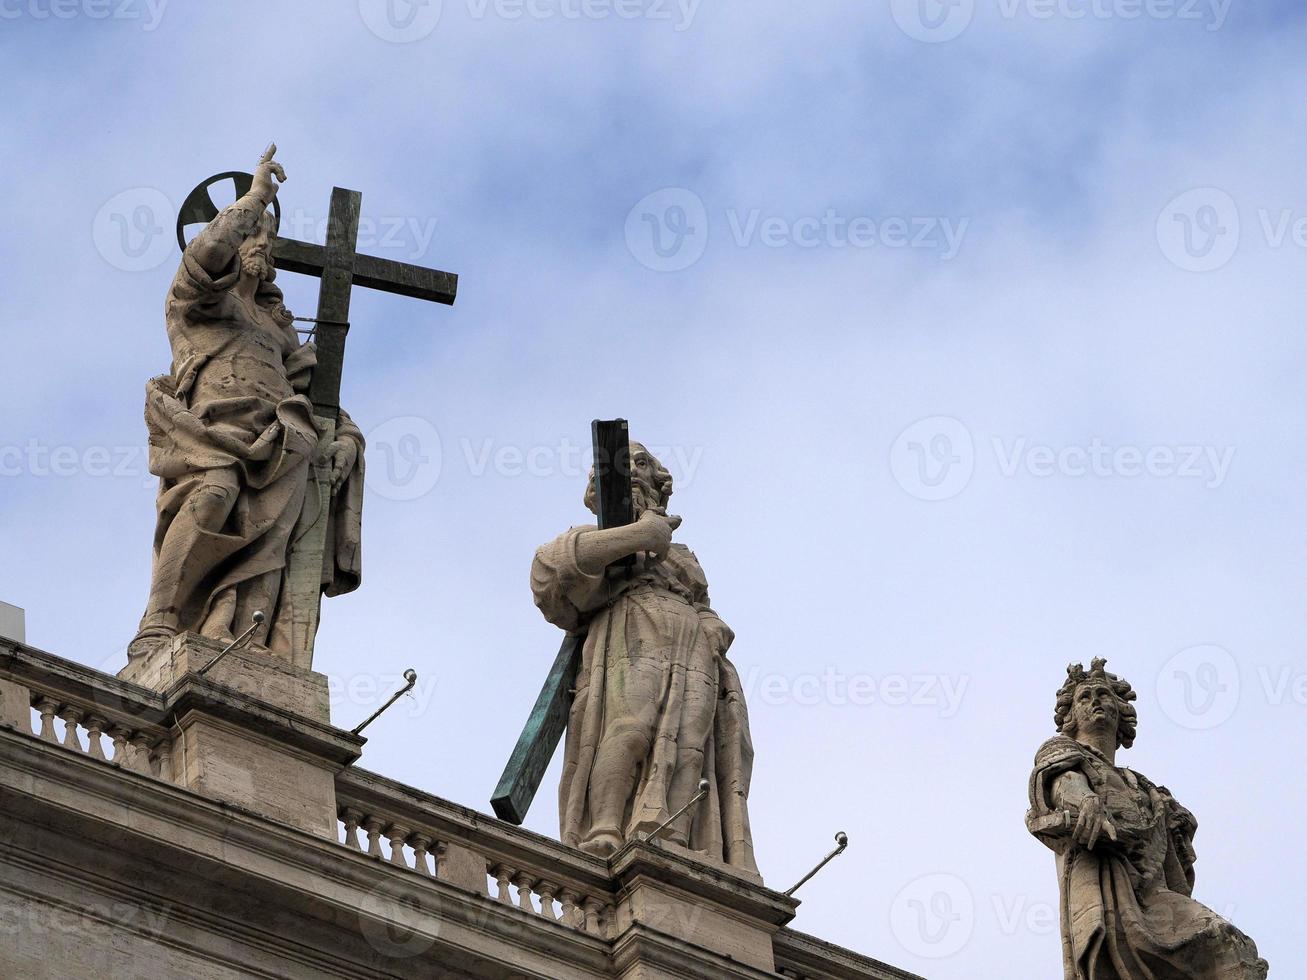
{"x": 971, "y": 333}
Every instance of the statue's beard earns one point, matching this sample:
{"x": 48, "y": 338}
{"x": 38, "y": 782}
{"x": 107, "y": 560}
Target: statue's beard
{"x": 644, "y": 497}
{"x": 256, "y": 267}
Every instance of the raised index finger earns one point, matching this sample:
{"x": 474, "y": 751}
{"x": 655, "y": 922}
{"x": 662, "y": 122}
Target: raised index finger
{"x": 269, "y": 153}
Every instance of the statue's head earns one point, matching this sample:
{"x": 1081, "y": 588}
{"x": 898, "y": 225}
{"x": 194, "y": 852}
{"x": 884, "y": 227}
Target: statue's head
{"x": 256, "y": 250}
{"x": 651, "y": 484}
{"x": 1095, "y": 702}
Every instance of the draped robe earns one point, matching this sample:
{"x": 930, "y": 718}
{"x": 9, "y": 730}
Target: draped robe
{"x": 1125, "y": 907}
{"x": 652, "y": 618}
{"x": 233, "y": 410}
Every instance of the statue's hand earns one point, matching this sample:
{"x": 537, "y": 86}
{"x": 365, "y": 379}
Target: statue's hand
{"x": 342, "y": 455}
{"x": 655, "y": 529}
{"x": 267, "y": 175}
{"x": 1092, "y": 823}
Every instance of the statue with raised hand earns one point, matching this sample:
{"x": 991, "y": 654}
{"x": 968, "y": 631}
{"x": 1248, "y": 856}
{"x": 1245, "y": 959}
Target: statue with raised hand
{"x": 233, "y": 437}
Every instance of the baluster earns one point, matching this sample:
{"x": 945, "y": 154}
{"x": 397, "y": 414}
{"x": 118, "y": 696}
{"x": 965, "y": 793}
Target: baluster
{"x": 373, "y": 827}
{"x": 421, "y": 844}
{"x": 140, "y": 758}
{"x": 48, "y": 709}
{"x": 119, "y": 735}
{"x": 438, "y": 859}
{"x": 501, "y": 874}
{"x": 94, "y": 732}
{"x": 397, "y": 834}
{"x": 546, "y": 890}
{"x": 351, "y": 817}
{"x": 524, "y": 881}
{"x": 72, "y": 717}
{"x": 570, "y": 910}
{"x": 161, "y": 760}
{"x": 593, "y": 922}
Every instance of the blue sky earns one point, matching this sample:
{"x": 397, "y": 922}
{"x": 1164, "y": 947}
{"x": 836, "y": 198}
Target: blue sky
{"x": 922, "y": 478}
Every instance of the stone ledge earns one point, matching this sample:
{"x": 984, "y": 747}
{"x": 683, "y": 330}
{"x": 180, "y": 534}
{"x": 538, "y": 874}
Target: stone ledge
{"x": 317, "y": 882}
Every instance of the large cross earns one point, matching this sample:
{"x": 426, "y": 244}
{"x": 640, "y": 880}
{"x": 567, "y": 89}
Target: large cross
{"x": 340, "y": 267}
{"x": 548, "y": 719}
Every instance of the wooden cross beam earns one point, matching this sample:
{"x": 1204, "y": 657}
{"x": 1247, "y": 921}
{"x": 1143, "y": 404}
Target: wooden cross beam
{"x": 548, "y": 719}
{"x": 340, "y": 268}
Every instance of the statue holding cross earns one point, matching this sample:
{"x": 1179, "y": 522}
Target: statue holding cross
{"x": 261, "y": 473}
{"x": 657, "y": 728}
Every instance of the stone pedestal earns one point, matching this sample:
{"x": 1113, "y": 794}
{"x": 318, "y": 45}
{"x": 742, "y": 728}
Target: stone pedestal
{"x": 253, "y": 731}
{"x": 667, "y": 903}
{"x": 252, "y": 671}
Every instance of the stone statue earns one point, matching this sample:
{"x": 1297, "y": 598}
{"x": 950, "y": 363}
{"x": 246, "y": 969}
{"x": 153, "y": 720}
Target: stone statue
{"x": 1125, "y": 856}
{"x": 658, "y": 706}
{"x": 232, "y": 437}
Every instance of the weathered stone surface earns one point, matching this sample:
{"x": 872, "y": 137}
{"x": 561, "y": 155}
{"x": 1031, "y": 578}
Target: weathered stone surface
{"x": 13, "y": 623}
{"x": 236, "y": 445}
{"x": 252, "y": 671}
{"x": 108, "y": 869}
{"x": 1124, "y": 847}
{"x": 658, "y": 705}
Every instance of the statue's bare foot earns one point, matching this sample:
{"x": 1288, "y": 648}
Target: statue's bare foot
{"x": 150, "y": 640}
{"x": 602, "y": 843}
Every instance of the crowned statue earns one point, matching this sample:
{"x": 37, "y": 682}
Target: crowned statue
{"x": 1124, "y": 849}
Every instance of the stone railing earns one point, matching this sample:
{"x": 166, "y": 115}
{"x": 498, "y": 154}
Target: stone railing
{"x": 514, "y": 868}
{"x": 83, "y": 710}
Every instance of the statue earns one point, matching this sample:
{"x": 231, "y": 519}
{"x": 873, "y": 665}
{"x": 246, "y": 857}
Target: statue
{"x": 658, "y": 706}
{"x": 233, "y": 438}
{"x": 1125, "y": 856}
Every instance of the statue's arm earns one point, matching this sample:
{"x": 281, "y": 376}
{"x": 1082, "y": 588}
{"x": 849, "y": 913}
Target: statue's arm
{"x": 597, "y": 549}
{"x": 215, "y": 246}
{"x": 1087, "y": 819}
